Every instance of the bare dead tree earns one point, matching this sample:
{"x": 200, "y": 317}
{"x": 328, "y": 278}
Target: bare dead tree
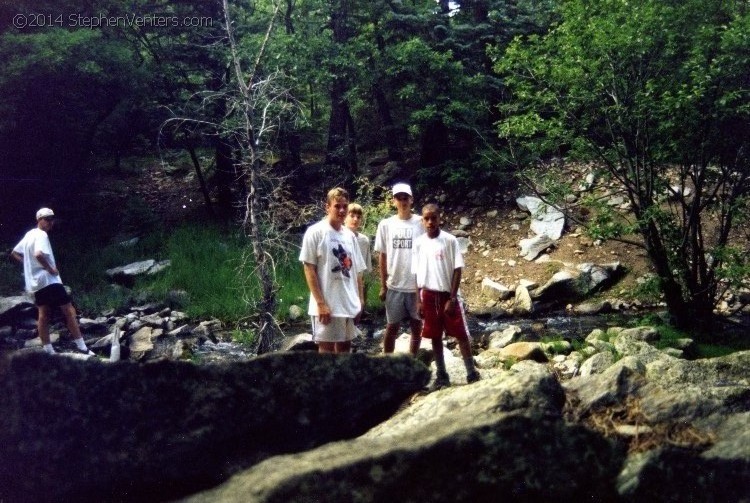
{"x": 261, "y": 103}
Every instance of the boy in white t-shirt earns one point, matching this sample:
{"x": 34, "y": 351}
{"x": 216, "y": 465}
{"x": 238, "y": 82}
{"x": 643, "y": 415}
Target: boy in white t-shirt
{"x": 437, "y": 265}
{"x": 333, "y": 268}
{"x": 43, "y": 281}
{"x": 393, "y": 242}
{"x": 353, "y": 222}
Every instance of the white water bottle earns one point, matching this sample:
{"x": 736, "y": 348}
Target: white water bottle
{"x": 114, "y": 353}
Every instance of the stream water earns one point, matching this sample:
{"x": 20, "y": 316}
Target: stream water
{"x": 532, "y": 329}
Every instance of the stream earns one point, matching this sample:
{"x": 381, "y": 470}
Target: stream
{"x": 532, "y": 329}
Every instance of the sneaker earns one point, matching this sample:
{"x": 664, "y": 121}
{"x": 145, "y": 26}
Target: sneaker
{"x": 472, "y": 376}
{"x": 441, "y": 381}
{"x": 86, "y": 352}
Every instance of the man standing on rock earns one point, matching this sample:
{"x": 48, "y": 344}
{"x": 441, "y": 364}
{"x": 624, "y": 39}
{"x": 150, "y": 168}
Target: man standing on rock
{"x": 394, "y": 240}
{"x": 333, "y": 267}
{"x": 43, "y": 281}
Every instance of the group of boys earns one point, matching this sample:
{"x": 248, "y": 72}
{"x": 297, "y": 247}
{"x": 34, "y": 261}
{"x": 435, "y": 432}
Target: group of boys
{"x": 420, "y": 272}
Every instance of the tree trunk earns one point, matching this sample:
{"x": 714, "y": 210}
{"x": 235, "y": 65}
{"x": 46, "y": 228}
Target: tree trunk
{"x": 201, "y": 179}
{"x": 390, "y": 131}
{"x": 256, "y": 216}
{"x": 267, "y": 328}
{"x": 341, "y": 148}
{"x": 288, "y": 25}
{"x": 434, "y": 144}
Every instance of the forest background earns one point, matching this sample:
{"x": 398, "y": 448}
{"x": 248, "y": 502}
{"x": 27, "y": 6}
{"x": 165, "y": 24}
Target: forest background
{"x": 271, "y": 102}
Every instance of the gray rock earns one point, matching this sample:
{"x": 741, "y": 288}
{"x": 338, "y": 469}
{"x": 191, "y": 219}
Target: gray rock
{"x": 133, "y": 269}
{"x": 159, "y": 431}
{"x": 596, "y": 277}
{"x": 608, "y": 388}
{"x": 500, "y": 339}
{"x": 532, "y": 247}
{"x": 522, "y": 303}
{"x": 158, "y": 267}
{"x": 180, "y": 331}
{"x": 546, "y": 220}
{"x": 674, "y": 474}
{"x": 295, "y": 312}
{"x": 11, "y": 307}
{"x": 463, "y": 244}
{"x": 487, "y": 431}
{"x": 646, "y": 334}
{"x": 561, "y": 287}
{"x": 153, "y": 320}
{"x": 141, "y": 343}
{"x": 597, "y": 364}
{"x": 300, "y": 342}
{"x": 591, "y": 308}
{"x": 524, "y": 351}
{"x": 208, "y": 329}
{"x": 496, "y": 290}
{"x": 178, "y": 316}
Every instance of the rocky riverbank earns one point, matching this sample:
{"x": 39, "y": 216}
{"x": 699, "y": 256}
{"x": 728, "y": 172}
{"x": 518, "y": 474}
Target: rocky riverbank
{"x": 616, "y": 420}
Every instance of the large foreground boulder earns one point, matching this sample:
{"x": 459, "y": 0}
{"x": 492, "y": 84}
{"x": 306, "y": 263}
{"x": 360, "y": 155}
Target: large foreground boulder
{"x": 500, "y": 439}
{"x": 91, "y": 431}
{"x": 688, "y": 420}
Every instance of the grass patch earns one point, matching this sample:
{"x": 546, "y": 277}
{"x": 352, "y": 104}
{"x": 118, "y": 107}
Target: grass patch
{"x": 210, "y": 264}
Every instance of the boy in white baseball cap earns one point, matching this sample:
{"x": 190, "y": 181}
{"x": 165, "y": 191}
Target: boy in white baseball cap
{"x": 43, "y": 280}
{"x": 393, "y": 241}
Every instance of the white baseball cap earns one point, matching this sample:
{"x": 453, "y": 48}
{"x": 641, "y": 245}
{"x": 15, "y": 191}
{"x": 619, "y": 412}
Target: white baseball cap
{"x": 402, "y": 188}
{"x": 44, "y": 213}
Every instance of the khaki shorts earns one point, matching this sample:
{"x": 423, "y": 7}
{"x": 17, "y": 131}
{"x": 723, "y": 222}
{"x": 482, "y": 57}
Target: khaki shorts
{"x": 337, "y": 330}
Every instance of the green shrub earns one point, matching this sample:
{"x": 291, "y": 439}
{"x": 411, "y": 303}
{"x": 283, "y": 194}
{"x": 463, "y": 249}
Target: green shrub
{"x": 376, "y": 202}
{"x": 244, "y": 336}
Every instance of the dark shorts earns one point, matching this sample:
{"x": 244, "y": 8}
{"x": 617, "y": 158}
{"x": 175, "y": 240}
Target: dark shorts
{"x": 437, "y": 321}
{"x": 53, "y": 295}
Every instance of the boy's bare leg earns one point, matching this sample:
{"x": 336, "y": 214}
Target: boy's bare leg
{"x": 471, "y": 372}
{"x": 416, "y": 336}
{"x": 343, "y": 347}
{"x": 42, "y": 324}
{"x": 389, "y": 340}
{"x": 70, "y": 320}
{"x": 441, "y": 376}
{"x": 326, "y": 347}
{"x": 465, "y": 348}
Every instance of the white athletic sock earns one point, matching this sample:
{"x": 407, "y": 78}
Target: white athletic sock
{"x": 81, "y": 345}
{"x": 49, "y": 349}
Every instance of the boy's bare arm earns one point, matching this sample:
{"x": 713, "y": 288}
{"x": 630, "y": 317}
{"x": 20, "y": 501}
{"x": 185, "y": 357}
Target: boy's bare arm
{"x": 383, "y": 267}
{"x": 455, "y": 282}
{"x": 16, "y": 256}
{"x": 361, "y": 291}
{"x": 450, "y": 306}
{"x": 311, "y": 277}
{"x": 42, "y": 259}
